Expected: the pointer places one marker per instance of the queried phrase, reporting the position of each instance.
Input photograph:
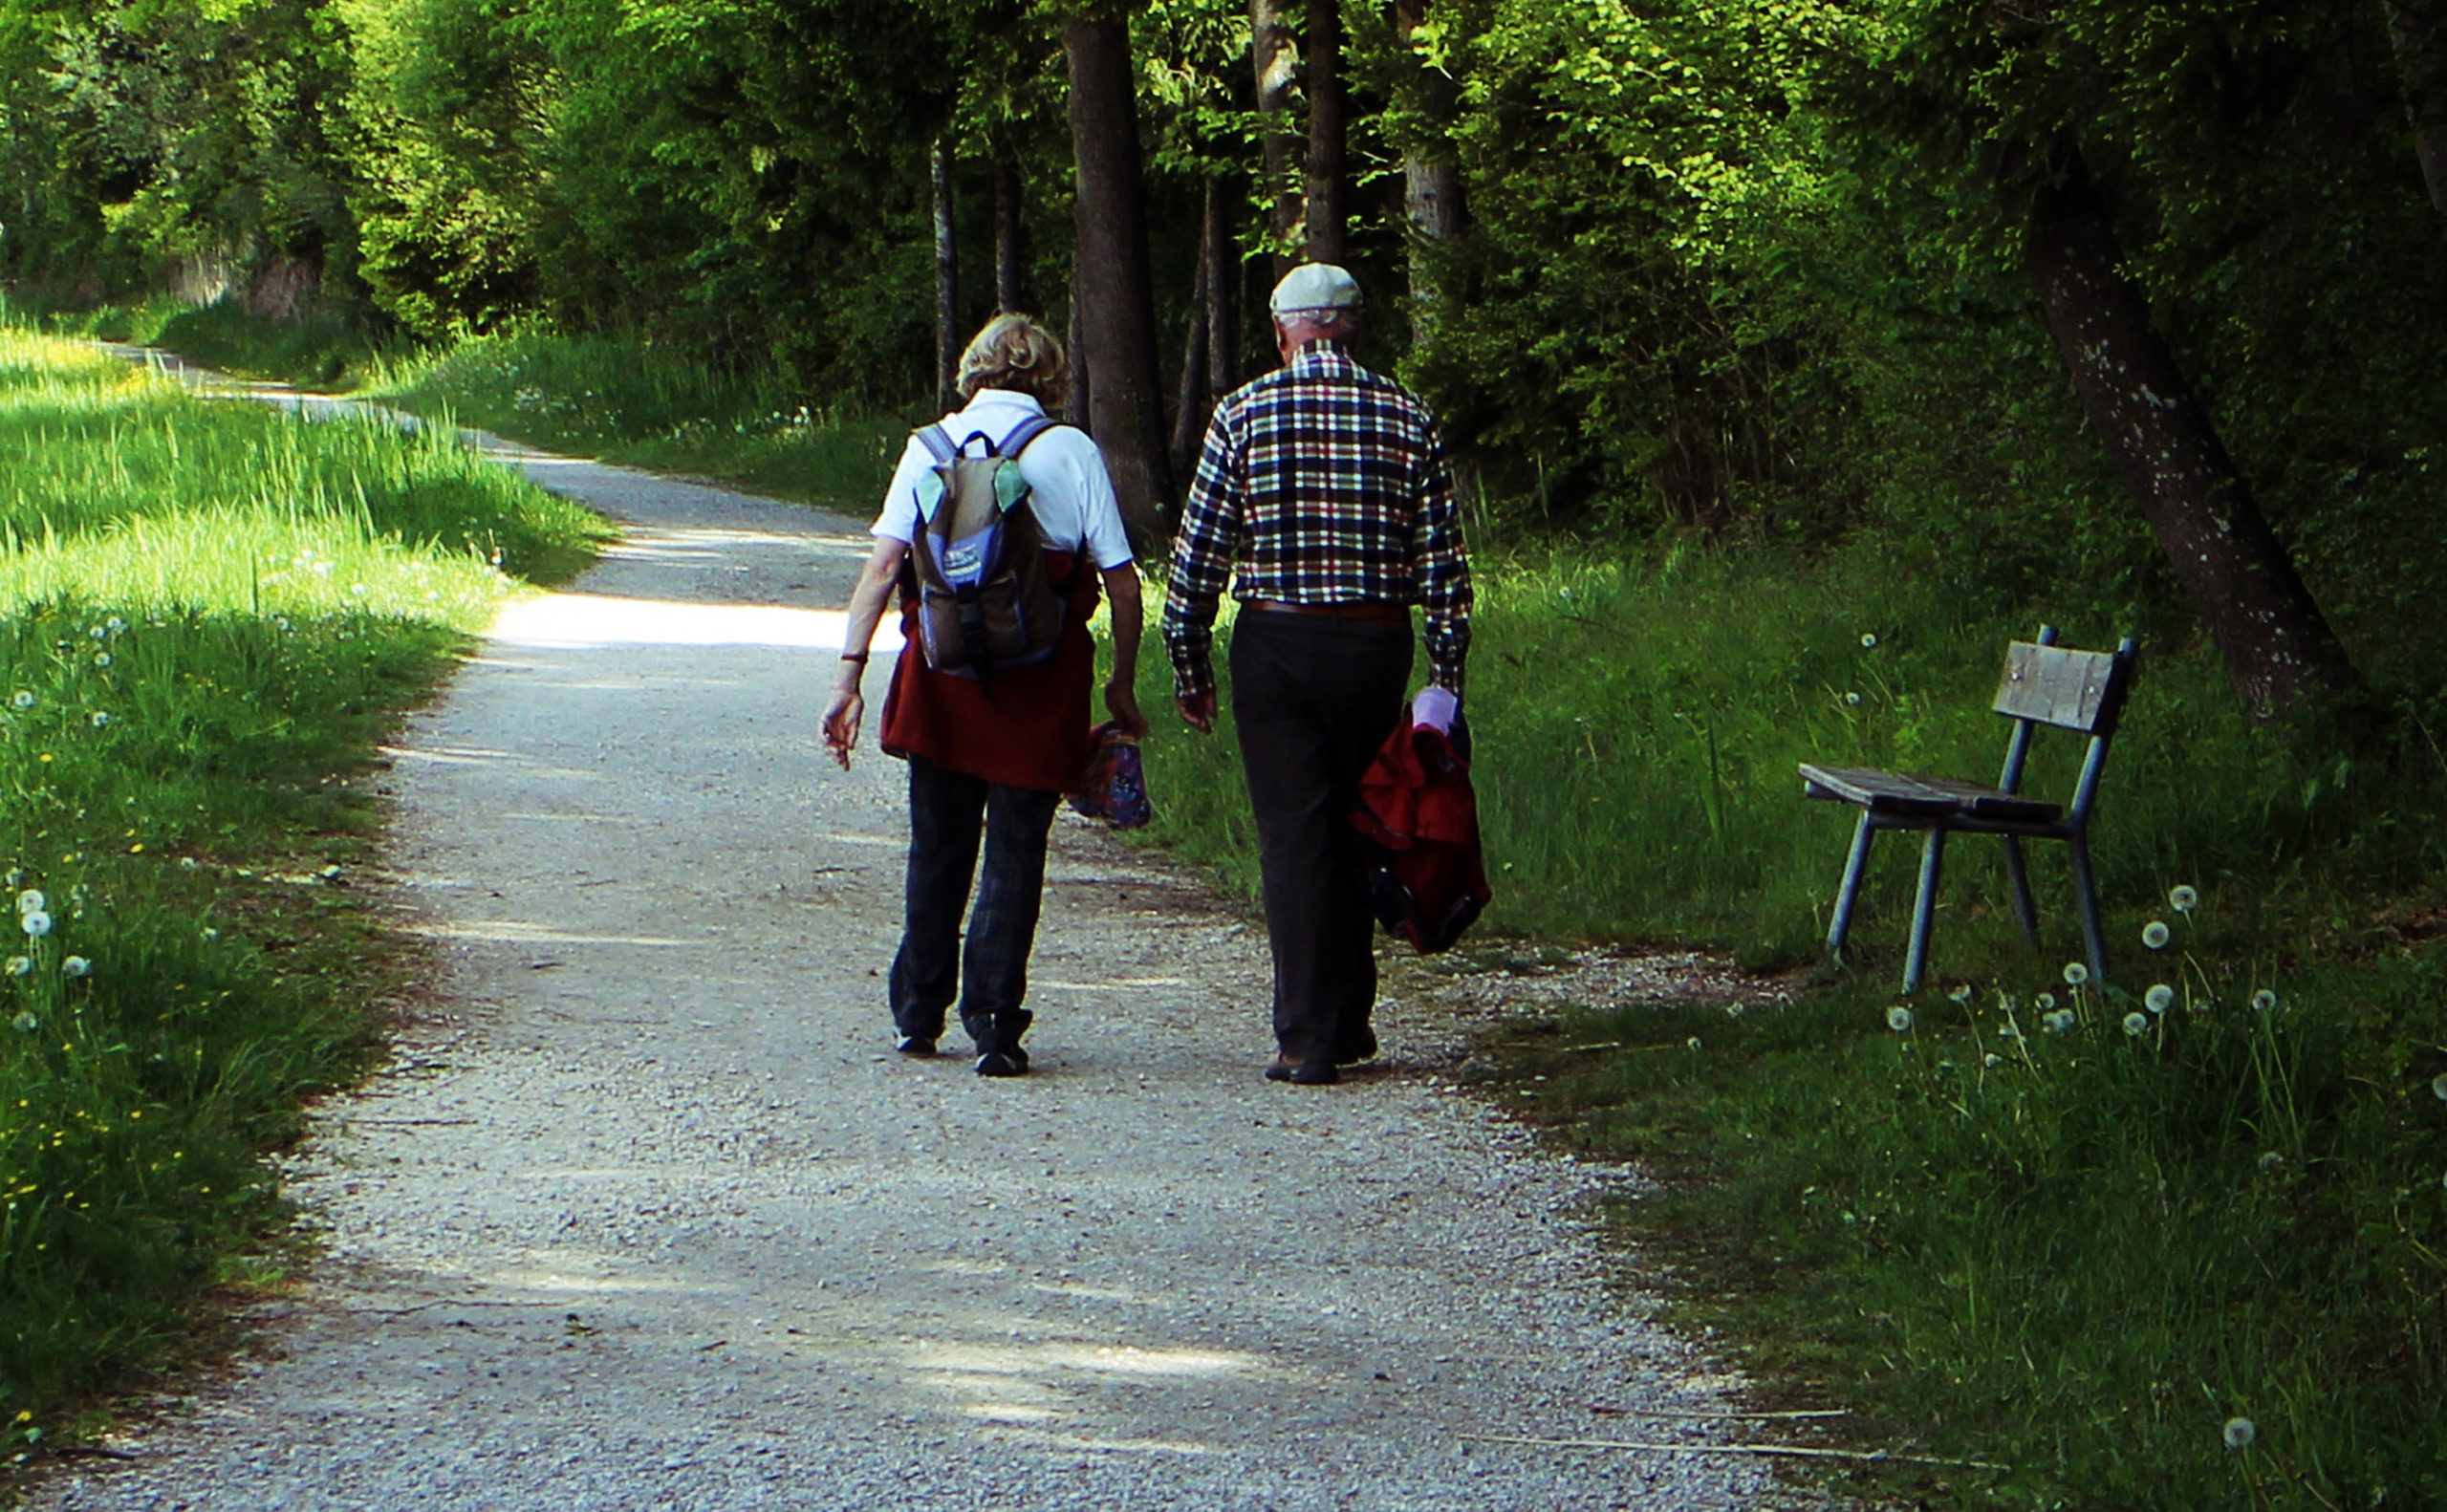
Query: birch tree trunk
(1274, 56)
(1114, 296)
(947, 340)
(1328, 133)
(1431, 174)
(2418, 28)
(2280, 656)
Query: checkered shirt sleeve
(1324, 484)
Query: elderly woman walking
(990, 749)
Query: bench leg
(2018, 879)
(1924, 908)
(1851, 892)
(2085, 895)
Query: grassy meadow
(209, 615)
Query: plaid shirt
(1328, 485)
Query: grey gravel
(647, 1214)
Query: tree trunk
(1189, 410)
(2280, 653)
(1010, 292)
(1118, 310)
(2418, 28)
(1431, 176)
(947, 342)
(1082, 391)
(1328, 131)
(1223, 276)
(1274, 54)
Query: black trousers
(949, 813)
(1313, 698)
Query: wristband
(858, 657)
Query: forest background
(1795, 355)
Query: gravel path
(648, 1215)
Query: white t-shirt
(1068, 491)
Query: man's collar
(1320, 351)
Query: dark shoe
(1353, 1051)
(1315, 1072)
(916, 1047)
(1281, 1067)
(1002, 1063)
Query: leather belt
(1374, 613)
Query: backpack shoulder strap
(938, 443)
(1027, 431)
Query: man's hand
(1198, 711)
(841, 718)
(1122, 703)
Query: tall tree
(2418, 30)
(1431, 169)
(1010, 287)
(1117, 306)
(1274, 60)
(1328, 134)
(947, 336)
(1223, 277)
(2280, 653)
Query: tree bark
(1189, 409)
(1329, 131)
(2280, 656)
(1275, 56)
(1082, 390)
(1222, 312)
(1119, 307)
(947, 342)
(1010, 290)
(1431, 174)
(2418, 28)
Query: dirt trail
(648, 1215)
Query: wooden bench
(2044, 683)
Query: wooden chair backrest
(2071, 690)
(2083, 691)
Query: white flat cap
(1315, 285)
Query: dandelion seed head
(114, 624)
(98, 633)
(2076, 974)
(1851, 698)
(2240, 1432)
(2136, 1024)
(76, 966)
(2271, 1160)
(22, 698)
(2264, 1001)
(2184, 898)
(1992, 1060)
(20, 965)
(2160, 998)
(31, 902)
(1869, 642)
(2438, 1087)
(35, 925)
(101, 658)
(24, 1023)
(102, 719)
(1693, 1041)
(1898, 1018)
(2154, 935)
(1960, 994)
(2043, 1002)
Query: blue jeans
(949, 813)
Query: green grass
(621, 399)
(316, 352)
(209, 616)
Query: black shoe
(1002, 1063)
(1353, 1051)
(1317, 1071)
(1281, 1067)
(916, 1047)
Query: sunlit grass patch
(209, 614)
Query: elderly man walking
(1325, 487)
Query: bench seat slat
(1900, 794)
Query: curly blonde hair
(1015, 353)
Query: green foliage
(2015, 1232)
(209, 614)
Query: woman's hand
(841, 718)
(1122, 703)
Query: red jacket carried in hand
(1415, 808)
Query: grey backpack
(986, 603)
